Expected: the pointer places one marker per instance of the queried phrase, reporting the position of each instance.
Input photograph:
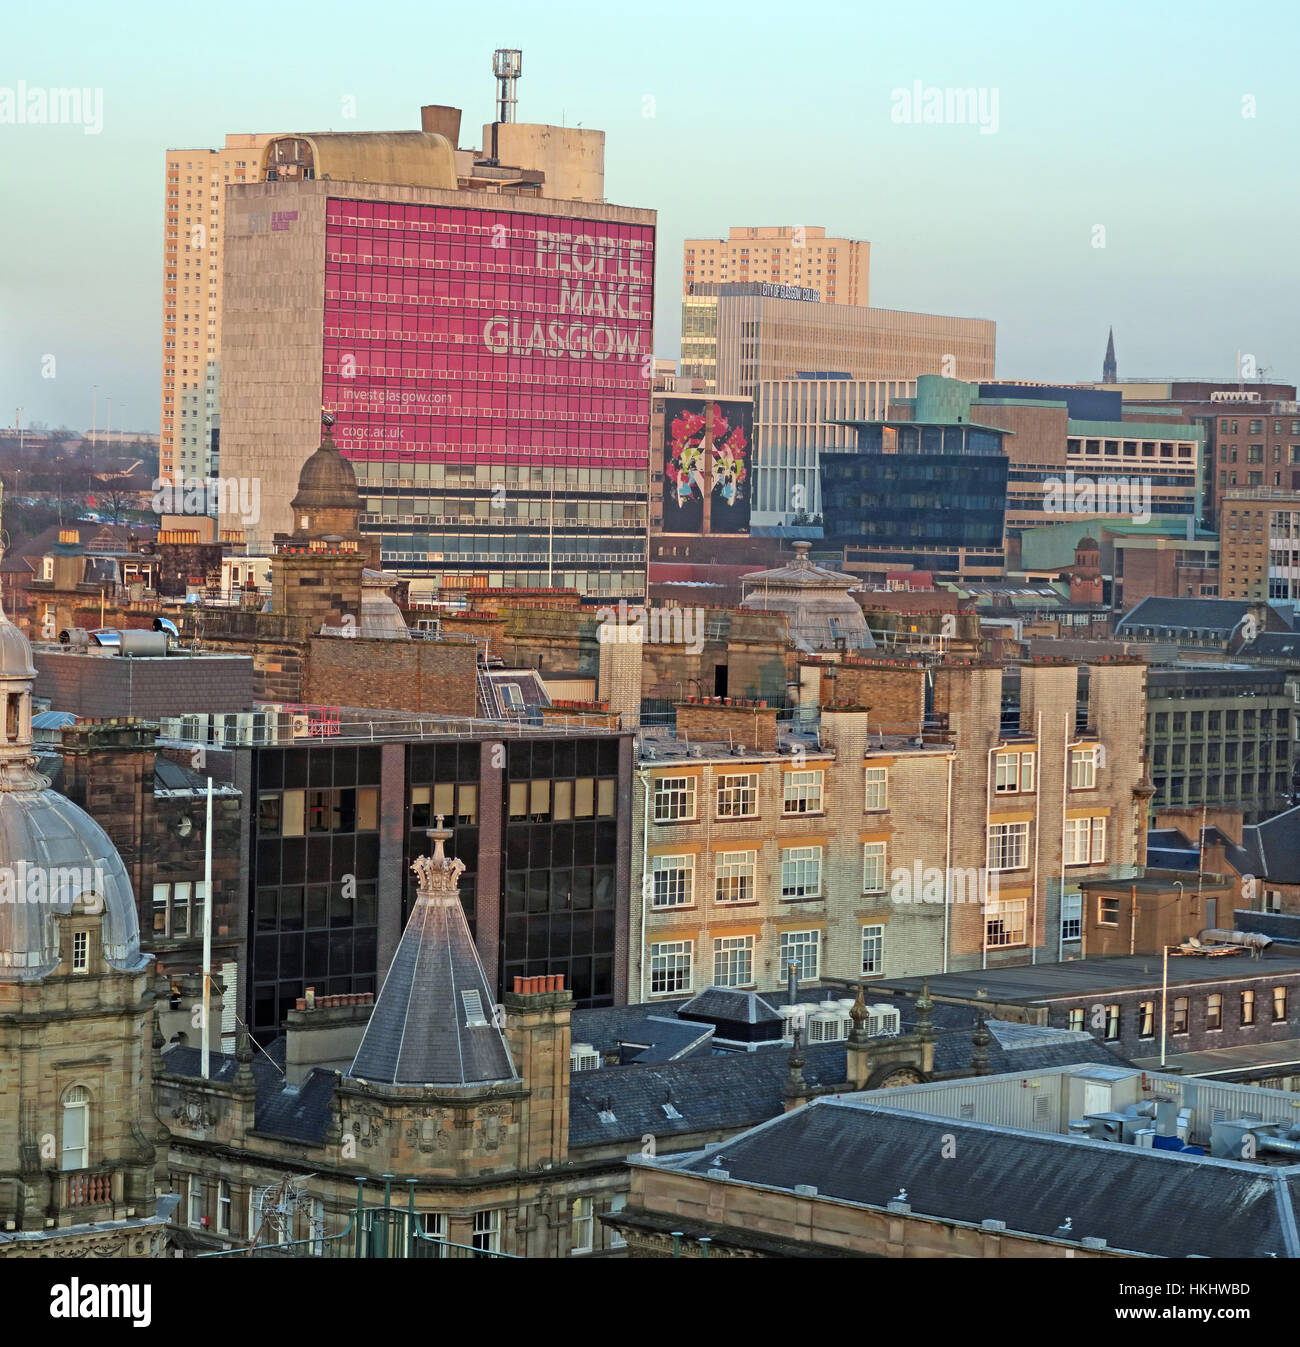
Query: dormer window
(80, 951)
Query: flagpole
(207, 936)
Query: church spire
(1109, 369)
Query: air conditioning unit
(583, 1057)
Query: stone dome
(54, 858)
(817, 601)
(327, 480)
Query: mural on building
(707, 455)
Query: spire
(1109, 370)
(434, 1022)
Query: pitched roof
(863, 1150)
(1220, 615)
(434, 1022)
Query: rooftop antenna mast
(507, 66)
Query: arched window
(76, 1129)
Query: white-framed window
(178, 909)
(803, 793)
(1076, 1019)
(873, 867)
(195, 1200)
(1072, 916)
(1272, 900)
(1005, 923)
(804, 949)
(1008, 845)
(75, 1150)
(1085, 841)
(1013, 773)
(674, 799)
(877, 788)
(487, 1231)
(733, 961)
(582, 1225)
(80, 951)
(673, 881)
(223, 1207)
(734, 876)
(616, 1240)
(873, 949)
(670, 966)
(801, 872)
(738, 796)
(1083, 768)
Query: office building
(839, 269)
(1259, 545)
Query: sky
(1169, 126)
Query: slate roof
(862, 1150)
(300, 1114)
(1274, 644)
(434, 1020)
(732, 1005)
(1269, 850)
(1220, 615)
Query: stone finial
(438, 873)
(859, 1014)
(796, 1088)
(244, 1058)
(925, 1012)
(981, 1039)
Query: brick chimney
(538, 1010)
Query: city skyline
(997, 219)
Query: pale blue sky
(1126, 114)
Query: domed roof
(1087, 544)
(15, 651)
(327, 480)
(54, 858)
(817, 602)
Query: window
(1107, 911)
(738, 796)
(80, 951)
(1248, 1007)
(76, 1129)
(734, 876)
(1180, 1016)
(803, 793)
(582, 1224)
(1272, 900)
(1005, 924)
(1146, 1019)
(1214, 1011)
(487, 1231)
(873, 949)
(1008, 843)
(1072, 916)
(1085, 841)
(1076, 1019)
(801, 872)
(674, 798)
(1083, 768)
(616, 1240)
(673, 879)
(873, 867)
(670, 966)
(1112, 1023)
(877, 788)
(801, 948)
(733, 961)
(223, 1207)
(1279, 1004)
(1013, 773)
(196, 1200)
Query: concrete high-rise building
(485, 356)
(735, 336)
(1259, 546)
(839, 269)
(193, 234)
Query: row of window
(672, 962)
(1110, 1018)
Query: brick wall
(437, 677)
(113, 685)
